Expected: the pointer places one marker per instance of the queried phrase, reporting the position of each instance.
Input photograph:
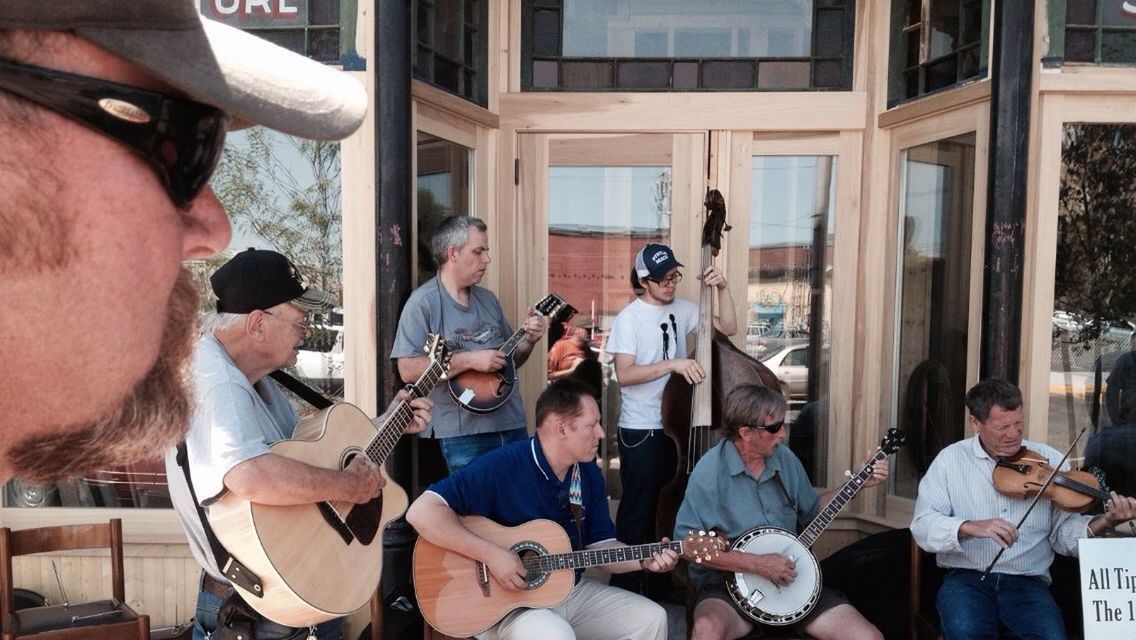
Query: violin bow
(1033, 503)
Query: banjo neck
(842, 497)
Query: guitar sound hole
(535, 577)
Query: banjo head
(762, 600)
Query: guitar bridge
(483, 579)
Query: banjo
(764, 601)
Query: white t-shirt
(650, 333)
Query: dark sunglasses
(771, 428)
(181, 139)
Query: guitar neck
(598, 557)
(395, 425)
(843, 497)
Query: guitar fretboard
(596, 557)
(843, 497)
(384, 441)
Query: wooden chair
(925, 580)
(105, 619)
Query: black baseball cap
(261, 279)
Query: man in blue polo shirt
(541, 478)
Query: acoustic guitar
(458, 597)
(761, 599)
(322, 561)
(485, 392)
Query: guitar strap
(236, 572)
(576, 504)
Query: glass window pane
(546, 74)
(323, 44)
(546, 33)
(828, 74)
(447, 74)
(829, 33)
(323, 12)
(587, 75)
(598, 218)
(944, 27)
(942, 73)
(1094, 301)
(725, 28)
(792, 228)
(783, 75)
(971, 23)
(1083, 12)
(442, 179)
(644, 75)
(686, 75)
(726, 74)
(1080, 45)
(1118, 46)
(933, 299)
(448, 28)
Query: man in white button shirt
(961, 517)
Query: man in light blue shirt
(749, 480)
(961, 517)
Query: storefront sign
(1108, 588)
(251, 14)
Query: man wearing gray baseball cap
(113, 114)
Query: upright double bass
(691, 412)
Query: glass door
(607, 196)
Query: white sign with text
(1108, 588)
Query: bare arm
(437, 522)
(630, 373)
(779, 569)
(409, 369)
(726, 319)
(277, 480)
(534, 327)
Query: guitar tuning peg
(847, 473)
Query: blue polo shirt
(723, 495)
(514, 484)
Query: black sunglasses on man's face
(181, 139)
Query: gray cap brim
(254, 81)
(314, 299)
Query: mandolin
(485, 392)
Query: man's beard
(152, 417)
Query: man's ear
(254, 325)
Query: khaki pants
(593, 611)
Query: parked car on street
(791, 366)
(320, 361)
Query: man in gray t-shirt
(469, 317)
(261, 322)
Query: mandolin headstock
(699, 546)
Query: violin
(1024, 474)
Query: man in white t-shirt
(648, 342)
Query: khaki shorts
(828, 599)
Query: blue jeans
(973, 609)
(461, 450)
(205, 622)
